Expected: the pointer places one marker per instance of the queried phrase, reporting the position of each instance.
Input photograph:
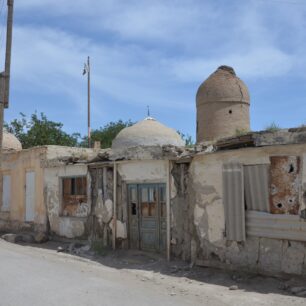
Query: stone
(293, 258)
(27, 238)
(9, 237)
(60, 249)
(85, 248)
(41, 237)
(270, 254)
(233, 287)
(296, 290)
(302, 294)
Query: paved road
(39, 277)
(31, 276)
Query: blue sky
(155, 53)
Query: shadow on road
(145, 261)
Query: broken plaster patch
(200, 221)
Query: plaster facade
(15, 165)
(259, 253)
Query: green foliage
(273, 127)
(241, 132)
(189, 142)
(106, 134)
(39, 131)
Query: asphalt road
(40, 277)
(31, 276)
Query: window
(148, 201)
(263, 200)
(74, 194)
(6, 193)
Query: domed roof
(147, 132)
(223, 86)
(10, 142)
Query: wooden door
(147, 216)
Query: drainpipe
(114, 204)
(168, 192)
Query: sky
(154, 53)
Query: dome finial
(148, 111)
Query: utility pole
(87, 71)
(5, 75)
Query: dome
(10, 142)
(147, 132)
(223, 86)
(223, 104)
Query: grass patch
(273, 127)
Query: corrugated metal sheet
(233, 201)
(267, 225)
(256, 184)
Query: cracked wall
(181, 217)
(209, 245)
(99, 222)
(66, 226)
(15, 165)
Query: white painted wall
(143, 171)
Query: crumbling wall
(209, 245)
(99, 222)
(66, 226)
(181, 216)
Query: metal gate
(147, 216)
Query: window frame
(79, 198)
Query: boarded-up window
(74, 194)
(284, 184)
(6, 193)
(233, 201)
(256, 187)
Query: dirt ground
(177, 279)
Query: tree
(189, 142)
(38, 131)
(107, 133)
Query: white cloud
(146, 52)
(260, 63)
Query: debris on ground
(26, 237)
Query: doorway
(147, 217)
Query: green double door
(147, 217)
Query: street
(33, 276)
